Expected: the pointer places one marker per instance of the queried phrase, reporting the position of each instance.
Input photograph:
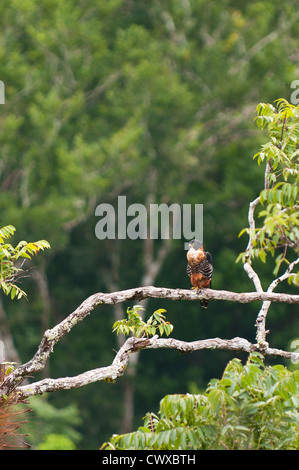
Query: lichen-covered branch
(262, 315)
(52, 336)
(119, 364)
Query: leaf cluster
(251, 407)
(279, 230)
(136, 326)
(9, 255)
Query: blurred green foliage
(251, 407)
(52, 428)
(152, 100)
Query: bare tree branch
(261, 318)
(119, 364)
(52, 336)
(247, 266)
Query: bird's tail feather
(204, 303)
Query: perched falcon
(199, 267)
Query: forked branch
(117, 368)
(121, 360)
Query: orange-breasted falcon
(199, 267)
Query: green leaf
(262, 255)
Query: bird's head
(196, 245)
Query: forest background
(154, 100)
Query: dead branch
(119, 364)
(52, 336)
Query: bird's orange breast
(197, 280)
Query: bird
(199, 268)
